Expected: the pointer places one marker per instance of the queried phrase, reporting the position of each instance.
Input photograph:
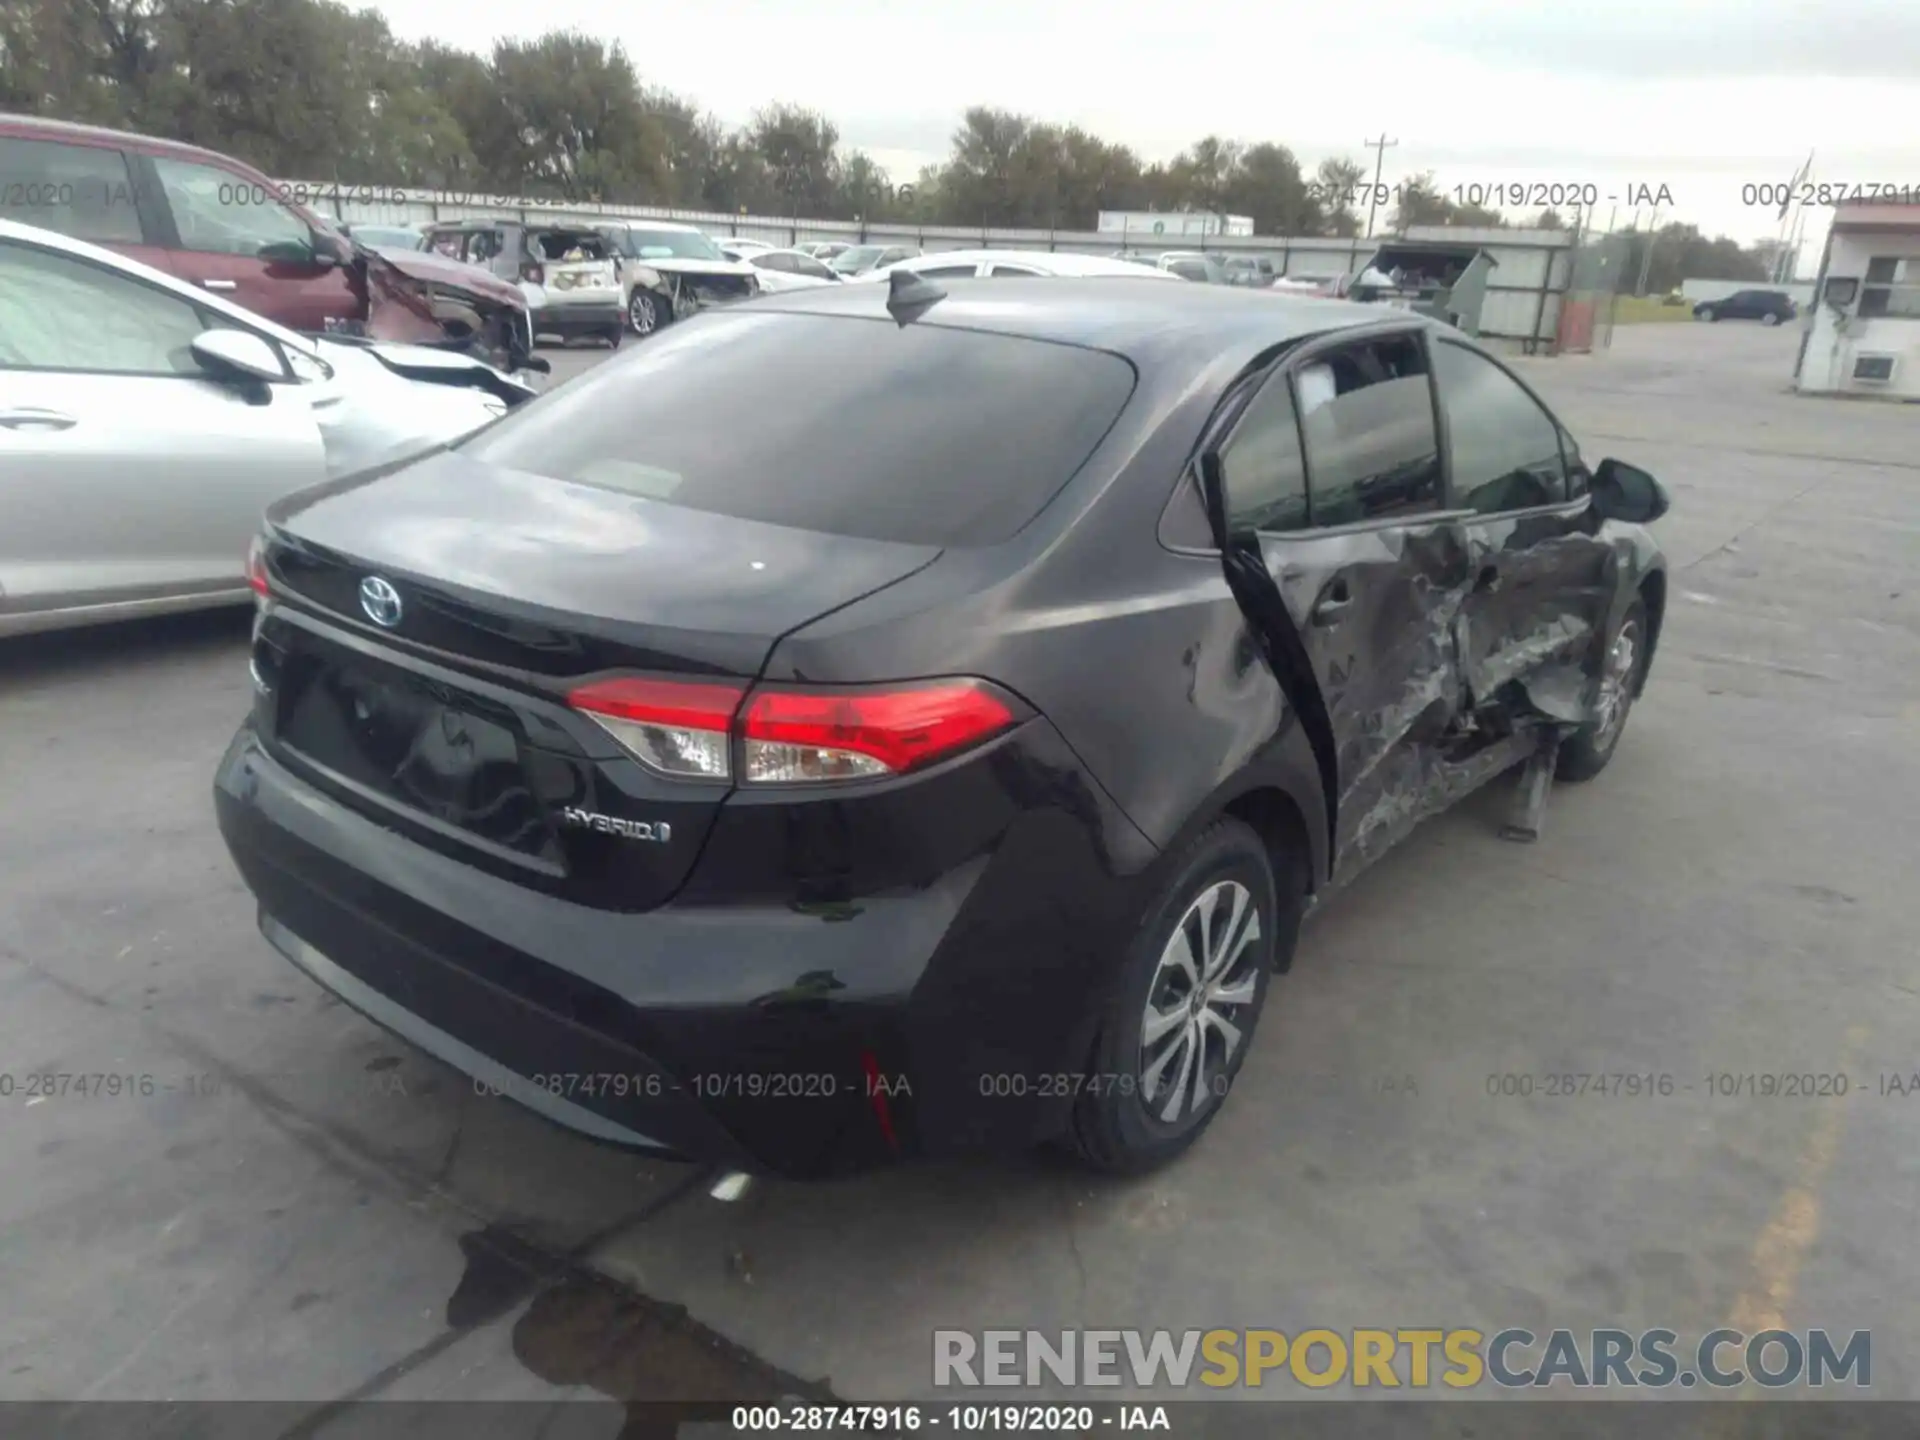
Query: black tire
(1586, 752)
(1112, 1127)
(1713, 315)
(648, 311)
(615, 336)
(1770, 318)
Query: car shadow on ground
(163, 641)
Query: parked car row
(220, 225)
(145, 424)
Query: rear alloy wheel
(1586, 753)
(1770, 318)
(647, 312)
(1178, 1024)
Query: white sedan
(790, 270)
(955, 264)
(145, 424)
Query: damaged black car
(801, 796)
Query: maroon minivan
(210, 220)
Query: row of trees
(313, 90)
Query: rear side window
(919, 434)
(78, 190)
(1366, 412)
(1265, 476)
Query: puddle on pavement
(581, 1329)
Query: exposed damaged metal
(691, 293)
(425, 299)
(1429, 655)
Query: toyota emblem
(381, 601)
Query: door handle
(220, 285)
(28, 418)
(1332, 604)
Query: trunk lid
(452, 722)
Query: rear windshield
(570, 245)
(848, 426)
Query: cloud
(1771, 39)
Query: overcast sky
(1701, 96)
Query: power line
(1380, 148)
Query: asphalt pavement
(276, 1201)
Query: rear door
(235, 237)
(1540, 574)
(1334, 468)
(125, 474)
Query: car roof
(628, 222)
(28, 126)
(1061, 262)
(1148, 324)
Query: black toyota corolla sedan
(894, 721)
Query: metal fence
(1312, 257)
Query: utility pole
(1380, 148)
(1646, 255)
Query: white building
(1149, 227)
(1863, 332)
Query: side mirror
(1626, 492)
(237, 355)
(289, 252)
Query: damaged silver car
(669, 271)
(145, 425)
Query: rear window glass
(79, 190)
(919, 434)
(563, 245)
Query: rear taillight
(257, 567)
(800, 736)
(786, 737)
(676, 727)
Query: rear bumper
(572, 320)
(801, 1042)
